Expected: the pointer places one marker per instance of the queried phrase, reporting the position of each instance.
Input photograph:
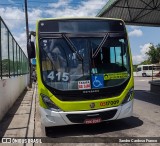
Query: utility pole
(27, 34)
(26, 16)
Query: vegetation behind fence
(13, 61)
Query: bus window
(145, 67)
(150, 68)
(156, 68)
(115, 53)
(138, 69)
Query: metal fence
(13, 61)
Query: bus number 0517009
(107, 103)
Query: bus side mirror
(31, 50)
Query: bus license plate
(92, 121)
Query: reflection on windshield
(64, 70)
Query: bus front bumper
(51, 118)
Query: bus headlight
(50, 104)
(129, 96)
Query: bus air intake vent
(80, 118)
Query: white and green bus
(84, 70)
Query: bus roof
(78, 18)
(148, 65)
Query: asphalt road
(145, 122)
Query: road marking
(143, 80)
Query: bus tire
(144, 75)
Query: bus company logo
(91, 91)
(6, 140)
(92, 105)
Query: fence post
(0, 52)
(152, 72)
(8, 54)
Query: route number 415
(58, 76)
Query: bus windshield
(75, 62)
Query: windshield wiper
(73, 48)
(100, 45)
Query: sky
(12, 12)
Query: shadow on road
(147, 97)
(4, 124)
(79, 130)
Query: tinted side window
(150, 67)
(139, 69)
(145, 67)
(156, 68)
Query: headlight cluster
(50, 105)
(129, 96)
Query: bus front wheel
(144, 75)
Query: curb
(31, 125)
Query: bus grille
(80, 118)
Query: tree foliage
(145, 62)
(135, 68)
(154, 54)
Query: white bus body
(146, 70)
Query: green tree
(154, 54)
(135, 68)
(145, 62)
(158, 53)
